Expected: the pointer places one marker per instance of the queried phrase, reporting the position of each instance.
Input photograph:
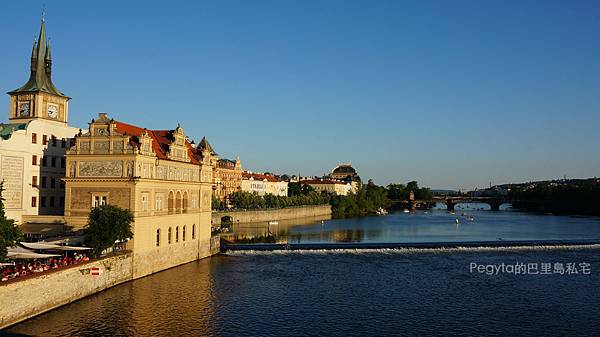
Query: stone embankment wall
(33, 295)
(271, 214)
(23, 299)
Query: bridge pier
(495, 206)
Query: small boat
(406, 211)
(382, 211)
(273, 223)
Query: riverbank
(30, 297)
(267, 215)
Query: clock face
(52, 111)
(24, 109)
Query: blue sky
(454, 94)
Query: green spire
(41, 66)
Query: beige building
(33, 143)
(227, 174)
(330, 186)
(263, 184)
(158, 175)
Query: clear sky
(454, 94)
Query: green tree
(107, 224)
(10, 233)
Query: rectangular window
(144, 201)
(44, 140)
(157, 237)
(63, 162)
(43, 202)
(194, 232)
(53, 141)
(53, 161)
(99, 200)
(158, 202)
(34, 181)
(34, 138)
(177, 234)
(183, 234)
(34, 160)
(169, 236)
(63, 143)
(51, 201)
(33, 202)
(44, 161)
(43, 181)
(52, 183)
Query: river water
(364, 292)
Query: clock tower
(39, 98)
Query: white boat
(406, 211)
(382, 211)
(273, 223)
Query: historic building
(344, 172)
(227, 174)
(337, 187)
(158, 174)
(263, 184)
(33, 143)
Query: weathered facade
(158, 175)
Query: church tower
(39, 98)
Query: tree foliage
(107, 224)
(10, 233)
(575, 197)
(367, 200)
(247, 200)
(400, 192)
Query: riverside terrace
(32, 259)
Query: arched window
(169, 236)
(194, 232)
(183, 234)
(171, 202)
(177, 234)
(157, 237)
(185, 202)
(178, 202)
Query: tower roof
(205, 145)
(41, 66)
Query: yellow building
(227, 173)
(158, 175)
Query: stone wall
(23, 299)
(272, 214)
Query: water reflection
(466, 224)
(150, 306)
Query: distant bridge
(451, 201)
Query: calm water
(415, 292)
(431, 226)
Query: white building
(33, 143)
(330, 186)
(263, 184)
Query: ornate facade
(227, 174)
(33, 143)
(158, 175)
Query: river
(364, 292)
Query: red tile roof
(161, 141)
(325, 182)
(258, 176)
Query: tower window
(34, 138)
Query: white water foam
(404, 251)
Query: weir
(410, 245)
